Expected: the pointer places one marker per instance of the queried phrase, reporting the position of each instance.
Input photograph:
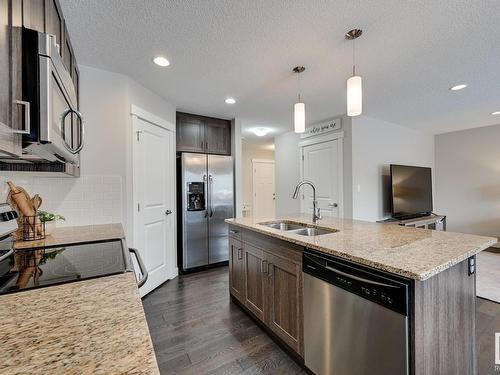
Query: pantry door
(322, 165)
(154, 197)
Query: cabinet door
(67, 51)
(236, 270)
(284, 300)
(54, 22)
(10, 143)
(190, 135)
(254, 280)
(75, 76)
(34, 14)
(218, 136)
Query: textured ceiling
(411, 52)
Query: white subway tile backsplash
(83, 201)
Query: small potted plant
(50, 220)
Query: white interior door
(154, 201)
(264, 189)
(322, 164)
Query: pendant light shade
(354, 96)
(354, 84)
(299, 117)
(299, 108)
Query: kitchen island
(85, 327)
(267, 281)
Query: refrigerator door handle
(211, 186)
(206, 195)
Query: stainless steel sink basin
(298, 228)
(283, 226)
(312, 231)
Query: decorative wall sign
(322, 128)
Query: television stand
(434, 222)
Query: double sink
(298, 228)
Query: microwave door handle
(81, 131)
(27, 123)
(80, 127)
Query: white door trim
(153, 119)
(257, 161)
(138, 113)
(321, 138)
(340, 163)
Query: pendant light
(299, 108)
(354, 84)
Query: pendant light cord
(353, 57)
(298, 85)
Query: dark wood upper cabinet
(54, 23)
(190, 135)
(203, 134)
(218, 136)
(67, 52)
(33, 14)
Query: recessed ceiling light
(230, 101)
(260, 132)
(161, 61)
(458, 87)
(495, 113)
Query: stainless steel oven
(53, 127)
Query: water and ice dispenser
(195, 196)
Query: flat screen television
(411, 191)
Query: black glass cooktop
(27, 269)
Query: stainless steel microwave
(53, 127)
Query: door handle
(333, 204)
(210, 185)
(168, 212)
(205, 191)
(27, 124)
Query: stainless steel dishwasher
(356, 319)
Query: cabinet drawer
(235, 232)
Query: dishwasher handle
(142, 267)
(351, 276)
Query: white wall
(468, 180)
(375, 145)
(251, 151)
(101, 194)
(287, 170)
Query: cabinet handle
(233, 231)
(264, 266)
(240, 254)
(27, 123)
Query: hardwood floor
(196, 330)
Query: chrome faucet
(316, 210)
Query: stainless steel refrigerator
(207, 199)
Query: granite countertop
(413, 253)
(94, 326)
(73, 235)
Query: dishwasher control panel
(377, 286)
